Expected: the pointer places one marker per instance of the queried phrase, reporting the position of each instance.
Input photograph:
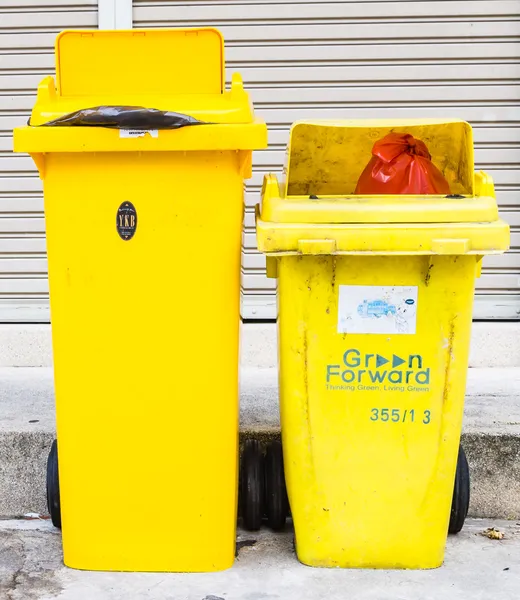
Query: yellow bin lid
(313, 209)
(179, 70)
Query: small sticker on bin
(135, 133)
(377, 309)
(126, 221)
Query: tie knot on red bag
(395, 144)
(417, 147)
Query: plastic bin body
(146, 330)
(375, 304)
(371, 450)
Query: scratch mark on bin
(306, 378)
(306, 399)
(428, 275)
(445, 395)
(448, 348)
(449, 358)
(333, 278)
(332, 299)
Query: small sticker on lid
(135, 133)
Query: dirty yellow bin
(143, 237)
(375, 302)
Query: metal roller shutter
(27, 32)
(364, 59)
(300, 60)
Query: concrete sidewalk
(475, 568)
(493, 344)
(492, 400)
(491, 434)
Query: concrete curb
(494, 461)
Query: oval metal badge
(126, 221)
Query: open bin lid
(314, 209)
(178, 70)
(326, 158)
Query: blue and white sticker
(377, 309)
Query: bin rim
(248, 136)
(278, 208)
(368, 123)
(374, 239)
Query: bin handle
(484, 185)
(270, 187)
(451, 246)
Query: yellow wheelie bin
(143, 210)
(375, 300)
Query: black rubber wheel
(460, 502)
(252, 485)
(53, 486)
(276, 503)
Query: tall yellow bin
(375, 302)
(143, 236)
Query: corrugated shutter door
(27, 33)
(367, 59)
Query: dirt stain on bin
(449, 358)
(428, 275)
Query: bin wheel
(53, 486)
(460, 501)
(276, 503)
(252, 485)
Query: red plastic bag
(401, 165)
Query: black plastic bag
(124, 117)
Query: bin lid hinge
(451, 246)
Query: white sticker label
(135, 133)
(377, 309)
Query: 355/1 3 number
(400, 415)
